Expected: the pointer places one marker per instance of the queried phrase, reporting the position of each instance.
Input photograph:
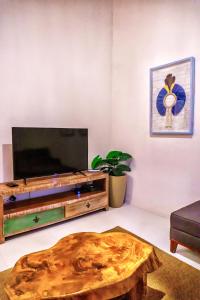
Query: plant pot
(117, 189)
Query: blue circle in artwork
(180, 95)
(160, 100)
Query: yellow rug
(174, 280)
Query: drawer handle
(36, 219)
(88, 205)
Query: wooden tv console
(31, 213)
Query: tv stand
(78, 171)
(21, 216)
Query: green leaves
(119, 170)
(114, 154)
(112, 163)
(96, 162)
(120, 156)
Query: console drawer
(34, 220)
(84, 206)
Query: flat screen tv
(48, 151)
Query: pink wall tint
(55, 68)
(61, 63)
(146, 34)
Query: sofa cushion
(187, 219)
(185, 238)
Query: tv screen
(48, 151)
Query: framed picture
(172, 98)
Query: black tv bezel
(50, 174)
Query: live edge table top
(83, 265)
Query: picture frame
(172, 98)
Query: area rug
(174, 280)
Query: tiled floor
(152, 228)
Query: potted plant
(114, 165)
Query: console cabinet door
(34, 220)
(84, 206)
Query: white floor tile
(149, 226)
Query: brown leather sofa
(185, 227)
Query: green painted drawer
(32, 220)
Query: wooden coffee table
(89, 266)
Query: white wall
(147, 34)
(55, 69)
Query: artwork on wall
(172, 98)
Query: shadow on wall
(7, 162)
(129, 189)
